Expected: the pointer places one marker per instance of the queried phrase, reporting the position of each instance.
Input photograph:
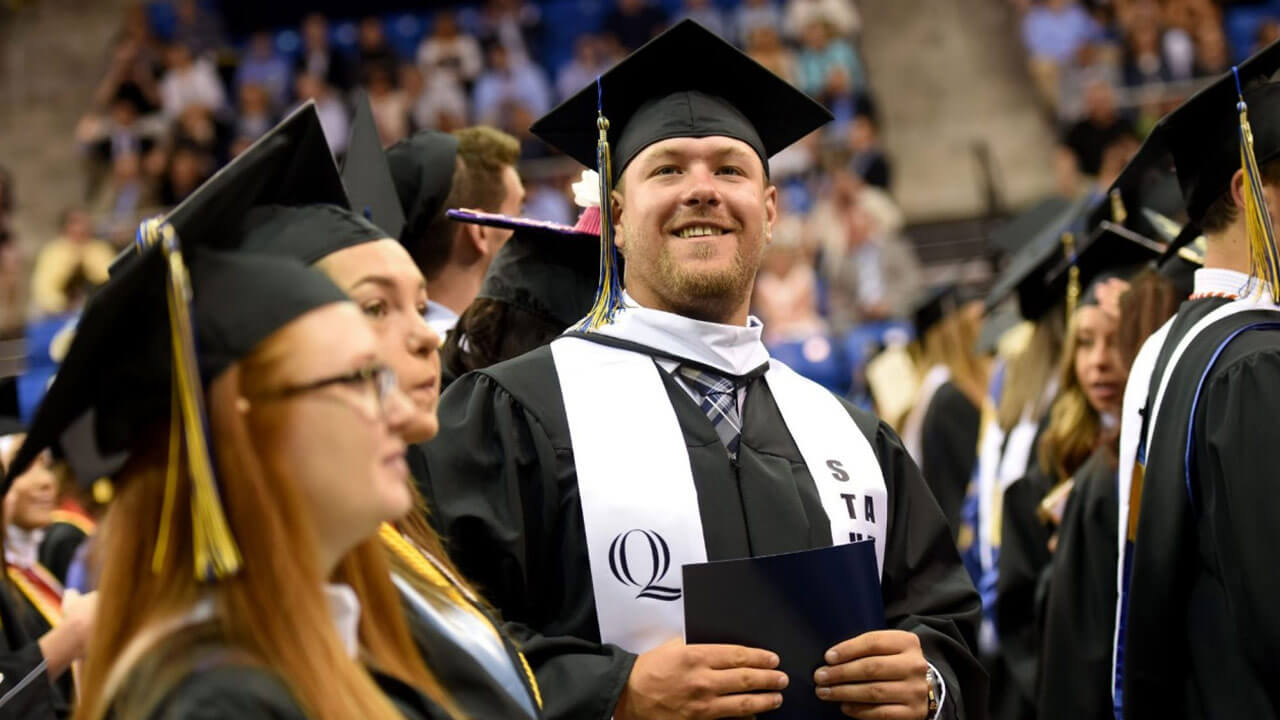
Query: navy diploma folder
(797, 605)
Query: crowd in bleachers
(181, 95)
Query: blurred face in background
(34, 494)
(1098, 365)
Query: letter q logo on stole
(645, 576)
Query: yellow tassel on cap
(1263, 260)
(216, 555)
(1073, 274)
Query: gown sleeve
(1237, 505)
(926, 589)
(504, 499)
(949, 449)
(1022, 581)
(25, 690)
(1076, 674)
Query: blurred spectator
(439, 104)
(1144, 61)
(841, 15)
(334, 119)
(869, 160)
(1268, 32)
(1213, 56)
(256, 115)
(1053, 32)
(634, 22)
(588, 62)
(545, 201)
(1100, 126)
(765, 47)
(120, 130)
(708, 15)
(126, 192)
(1115, 155)
(188, 166)
(189, 81)
(321, 60)
(198, 29)
(75, 253)
(503, 86)
(514, 23)
(827, 67)
(878, 278)
(751, 15)
(447, 55)
(136, 60)
(390, 106)
(261, 66)
(374, 51)
(786, 290)
(11, 270)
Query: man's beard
(699, 293)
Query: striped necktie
(719, 402)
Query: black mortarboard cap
(422, 167)
(936, 305)
(1203, 134)
(1031, 265)
(1111, 250)
(545, 268)
(306, 232)
(10, 416)
(686, 82)
(367, 176)
(1017, 231)
(186, 307)
(1146, 185)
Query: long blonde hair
(264, 509)
(1075, 428)
(1031, 371)
(951, 342)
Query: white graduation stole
(639, 503)
(1258, 300)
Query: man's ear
(474, 237)
(1237, 189)
(770, 212)
(615, 206)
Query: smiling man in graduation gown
(661, 422)
(1198, 632)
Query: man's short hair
(1223, 211)
(483, 153)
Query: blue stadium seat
(818, 358)
(1242, 22)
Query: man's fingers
(730, 706)
(878, 693)
(723, 657)
(879, 642)
(745, 680)
(904, 666)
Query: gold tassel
(1073, 274)
(216, 555)
(609, 291)
(1263, 261)
(1118, 213)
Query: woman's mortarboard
(180, 309)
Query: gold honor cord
(1263, 260)
(1118, 213)
(1073, 274)
(214, 548)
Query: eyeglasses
(378, 378)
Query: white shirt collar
(440, 317)
(732, 349)
(22, 547)
(344, 608)
(1219, 280)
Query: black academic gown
(949, 448)
(502, 487)
(1022, 584)
(1202, 631)
(194, 675)
(35, 626)
(25, 689)
(58, 549)
(1080, 616)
